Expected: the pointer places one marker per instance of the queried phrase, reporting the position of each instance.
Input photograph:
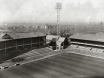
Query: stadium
(50, 39)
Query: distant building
(4, 25)
(45, 27)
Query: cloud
(97, 3)
(44, 10)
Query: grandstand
(88, 40)
(19, 41)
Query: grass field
(66, 65)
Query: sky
(44, 10)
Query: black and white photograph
(51, 38)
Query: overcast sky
(44, 10)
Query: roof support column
(45, 41)
(23, 43)
(39, 41)
(31, 42)
(16, 44)
(5, 46)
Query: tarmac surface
(65, 65)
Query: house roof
(61, 39)
(50, 37)
(90, 37)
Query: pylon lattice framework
(58, 8)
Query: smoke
(44, 10)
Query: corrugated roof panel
(25, 35)
(21, 35)
(12, 35)
(40, 34)
(91, 37)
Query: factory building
(20, 41)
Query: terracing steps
(33, 55)
(87, 51)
